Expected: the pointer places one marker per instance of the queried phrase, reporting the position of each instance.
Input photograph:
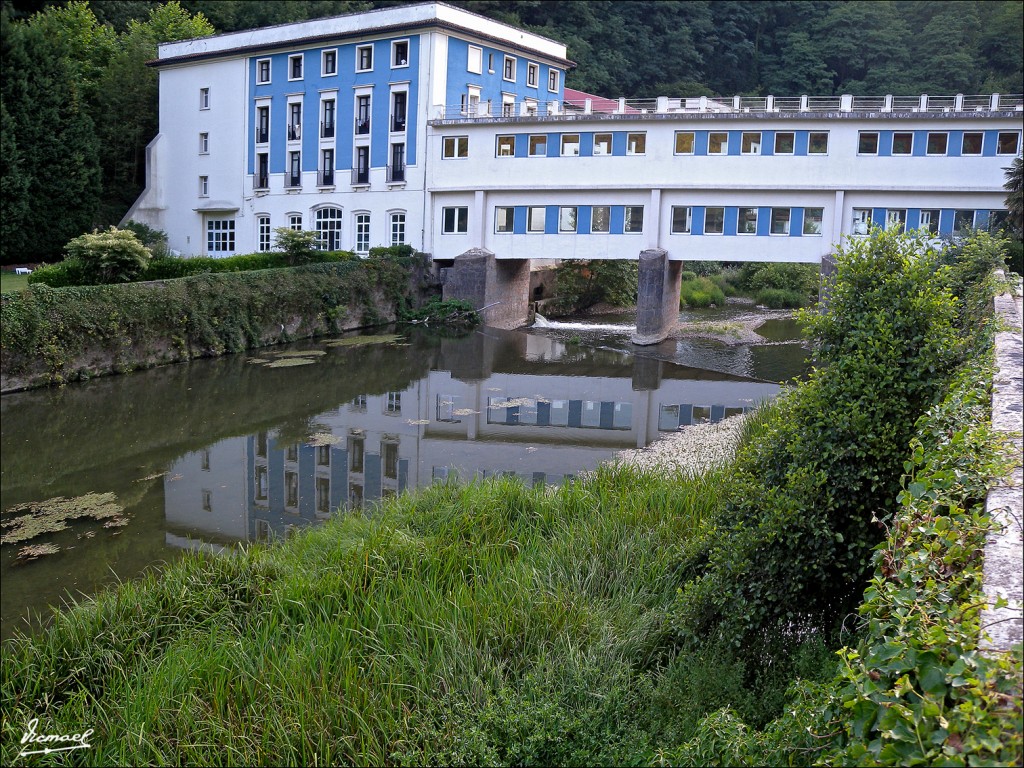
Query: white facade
(435, 127)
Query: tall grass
(525, 618)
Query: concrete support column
(497, 288)
(657, 302)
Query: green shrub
(154, 239)
(60, 275)
(700, 292)
(1014, 256)
(392, 252)
(112, 256)
(779, 298)
(704, 268)
(687, 276)
(298, 246)
(582, 284)
(799, 278)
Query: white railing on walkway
(572, 108)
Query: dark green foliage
(391, 252)
(439, 313)
(780, 298)
(154, 239)
(1014, 186)
(63, 274)
(700, 292)
(298, 246)
(582, 284)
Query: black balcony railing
(327, 130)
(294, 132)
(396, 173)
(325, 177)
(360, 175)
(262, 136)
(294, 180)
(262, 181)
(397, 124)
(362, 126)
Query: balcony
(327, 130)
(362, 126)
(396, 174)
(261, 181)
(325, 177)
(360, 176)
(397, 124)
(262, 135)
(294, 132)
(293, 181)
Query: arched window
(328, 227)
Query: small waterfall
(542, 322)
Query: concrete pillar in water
(657, 301)
(498, 288)
(825, 277)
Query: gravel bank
(694, 449)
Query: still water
(213, 453)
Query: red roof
(599, 103)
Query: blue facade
(492, 83)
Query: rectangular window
(535, 218)
(600, 219)
(393, 405)
(962, 221)
(291, 487)
(398, 229)
(455, 220)
(509, 71)
(455, 147)
(262, 71)
(361, 171)
(714, 221)
(295, 222)
(261, 444)
(506, 146)
(553, 80)
(399, 100)
(539, 146)
(262, 484)
(362, 115)
(327, 122)
(207, 500)
(929, 221)
(1007, 142)
(204, 143)
(571, 145)
(937, 143)
(262, 180)
(780, 221)
(220, 235)
(389, 458)
(329, 63)
(356, 454)
(812, 220)
(262, 125)
(323, 494)
(634, 218)
(602, 144)
(682, 219)
(364, 58)
(785, 142)
(503, 216)
(867, 143)
(490, 63)
(205, 459)
(636, 143)
(295, 121)
(204, 98)
(902, 143)
(567, 219)
(263, 233)
(750, 144)
(817, 143)
(292, 452)
(508, 105)
(204, 186)
(294, 169)
(295, 67)
(326, 167)
(746, 224)
(971, 144)
(896, 218)
(718, 143)
(997, 221)
(861, 221)
(362, 232)
(684, 142)
(474, 61)
(399, 54)
(532, 73)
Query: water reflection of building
(537, 423)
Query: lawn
(10, 282)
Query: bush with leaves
(112, 256)
(299, 246)
(581, 284)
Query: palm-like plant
(1015, 195)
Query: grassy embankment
(622, 619)
(12, 283)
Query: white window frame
(724, 145)
(263, 232)
(707, 210)
(511, 146)
(204, 98)
(675, 142)
(569, 139)
(395, 64)
(295, 222)
(861, 135)
(530, 143)
(626, 220)
(259, 66)
(511, 219)
(922, 224)
(607, 222)
(204, 143)
(291, 67)
(530, 228)
(478, 52)
(323, 62)
(860, 221)
(739, 220)
(457, 212)
(928, 142)
(565, 210)
(810, 144)
(220, 236)
(361, 232)
(532, 74)
(891, 219)
(506, 69)
(1016, 146)
(204, 186)
(597, 142)
(807, 218)
(637, 138)
(974, 219)
(755, 144)
(792, 144)
(396, 227)
(490, 63)
(454, 143)
(359, 58)
(688, 220)
(963, 144)
(789, 222)
(892, 146)
(554, 78)
(328, 227)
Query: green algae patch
(290, 362)
(358, 341)
(30, 552)
(50, 516)
(306, 353)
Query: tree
(1014, 187)
(113, 256)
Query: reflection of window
(622, 416)
(701, 414)
(262, 530)
(929, 221)
(262, 481)
(441, 474)
(591, 415)
(971, 144)
(896, 217)
(503, 217)
(668, 418)
(600, 218)
(634, 218)
(602, 144)
(817, 143)
(291, 489)
(323, 455)
(559, 413)
(747, 222)
(812, 220)
(732, 411)
(204, 460)
(785, 141)
(292, 452)
(356, 453)
(684, 142)
(861, 221)
(962, 221)
(261, 444)
(780, 221)
(535, 219)
(323, 495)
(867, 143)
(389, 455)
(718, 143)
(714, 221)
(750, 144)
(445, 410)
(567, 219)
(355, 495)
(394, 403)
(358, 403)
(682, 219)
(207, 501)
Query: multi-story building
(432, 126)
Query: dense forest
(78, 105)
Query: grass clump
(700, 292)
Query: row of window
(327, 170)
(509, 66)
(329, 62)
(728, 143)
(362, 115)
(327, 224)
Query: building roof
(574, 99)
